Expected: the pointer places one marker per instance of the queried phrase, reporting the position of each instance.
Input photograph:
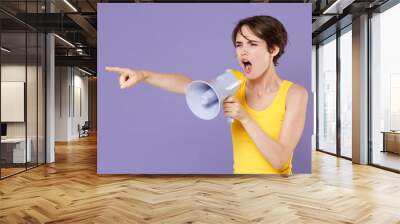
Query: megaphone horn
(205, 98)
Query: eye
(238, 45)
(253, 44)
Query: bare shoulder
(297, 95)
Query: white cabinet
(18, 149)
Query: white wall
(70, 83)
(17, 73)
(12, 101)
(61, 103)
(33, 127)
(14, 73)
(314, 92)
(80, 105)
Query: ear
(275, 50)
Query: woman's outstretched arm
(176, 83)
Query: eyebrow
(250, 41)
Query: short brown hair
(267, 28)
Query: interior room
(50, 134)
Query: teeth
(246, 61)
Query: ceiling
(76, 22)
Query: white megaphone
(205, 98)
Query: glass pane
(23, 88)
(31, 85)
(31, 101)
(346, 94)
(386, 89)
(327, 96)
(13, 86)
(41, 98)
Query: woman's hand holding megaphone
(233, 109)
(127, 77)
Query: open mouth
(247, 66)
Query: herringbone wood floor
(70, 191)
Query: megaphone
(205, 99)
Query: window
(346, 92)
(22, 77)
(385, 89)
(327, 95)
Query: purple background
(145, 130)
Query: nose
(243, 51)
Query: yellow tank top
(246, 156)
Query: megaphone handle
(230, 120)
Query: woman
(269, 112)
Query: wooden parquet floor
(70, 191)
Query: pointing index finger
(114, 69)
